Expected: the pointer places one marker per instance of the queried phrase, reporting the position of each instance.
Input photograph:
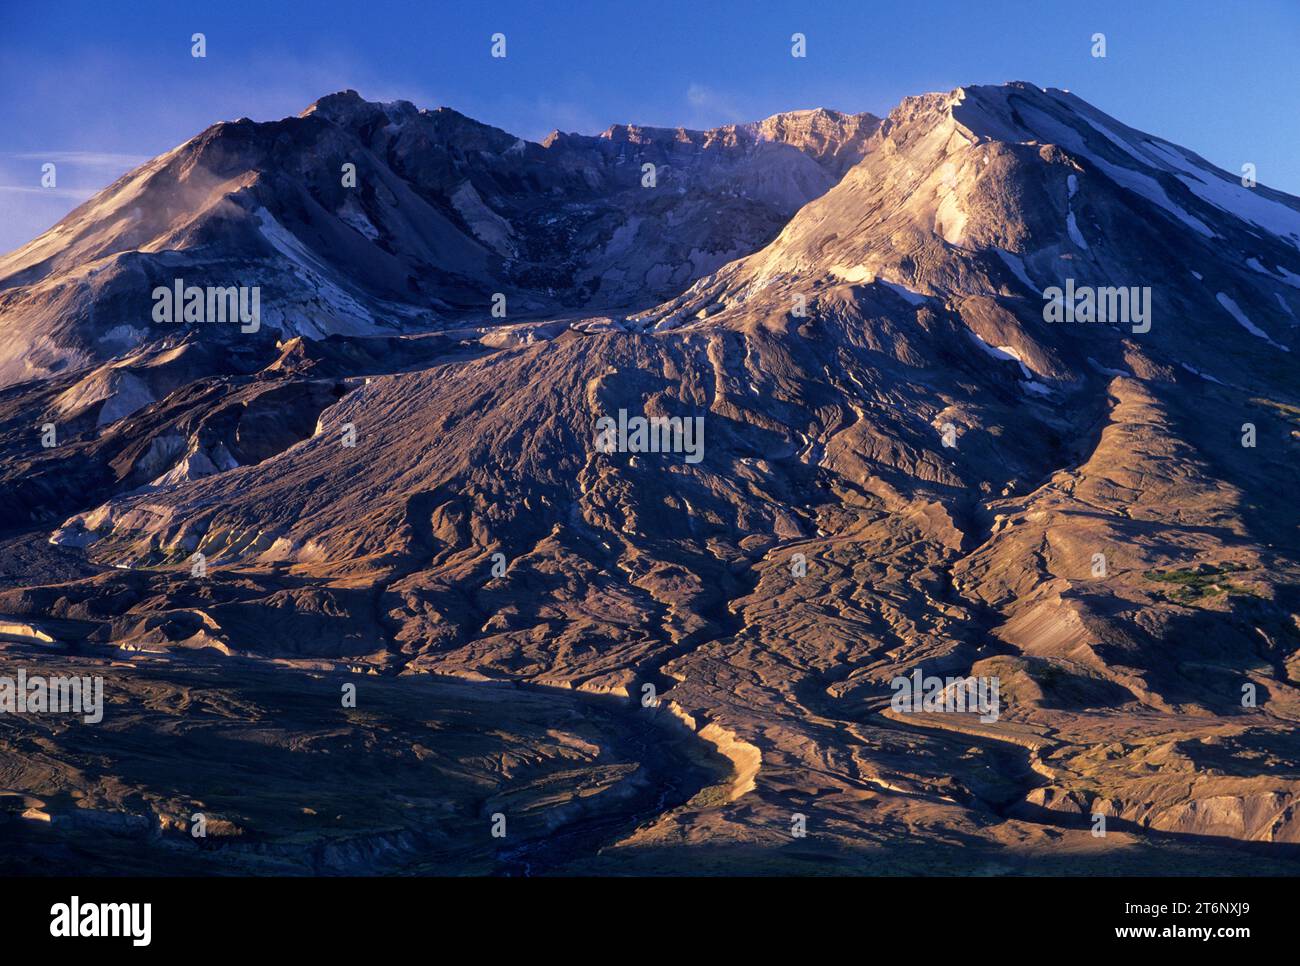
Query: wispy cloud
(98, 159)
(81, 194)
(708, 107)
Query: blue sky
(97, 87)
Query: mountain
(1009, 191)
(913, 461)
(445, 213)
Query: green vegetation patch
(1201, 582)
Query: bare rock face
(359, 218)
(910, 464)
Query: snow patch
(1204, 375)
(352, 216)
(1017, 267)
(1136, 181)
(1106, 371)
(1235, 198)
(1235, 311)
(1076, 236)
(1291, 278)
(907, 294)
(1003, 353)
